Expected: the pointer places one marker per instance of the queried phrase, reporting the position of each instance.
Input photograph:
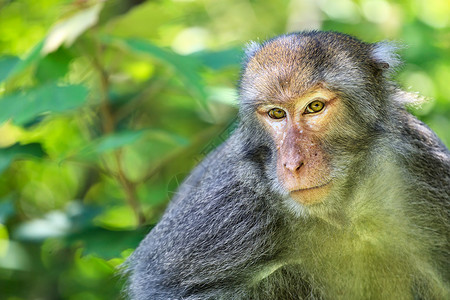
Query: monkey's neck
(373, 247)
(373, 191)
(375, 212)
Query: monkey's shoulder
(422, 148)
(426, 159)
(421, 136)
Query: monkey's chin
(313, 195)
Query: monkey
(327, 189)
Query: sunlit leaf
(54, 224)
(16, 257)
(23, 107)
(68, 30)
(225, 95)
(17, 151)
(153, 14)
(117, 218)
(4, 240)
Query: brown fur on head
(293, 63)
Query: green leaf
(125, 138)
(30, 58)
(167, 137)
(186, 66)
(17, 151)
(7, 64)
(108, 143)
(11, 66)
(7, 208)
(219, 59)
(117, 140)
(23, 107)
(105, 243)
(81, 214)
(53, 66)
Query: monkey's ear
(250, 50)
(385, 56)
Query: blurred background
(106, 106)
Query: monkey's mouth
(312, 195)
(311, 188)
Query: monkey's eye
(277, 113)
(314, 107)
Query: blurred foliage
(106, 106)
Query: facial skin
(297, 126)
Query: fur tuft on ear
(386, 56)
(250, 49)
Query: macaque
(328, 188)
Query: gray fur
(232, 232)
(386, 53)
(251, 49)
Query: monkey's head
(316, 99)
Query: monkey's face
(317, 102)
(298, 128)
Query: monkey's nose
(294, 167)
